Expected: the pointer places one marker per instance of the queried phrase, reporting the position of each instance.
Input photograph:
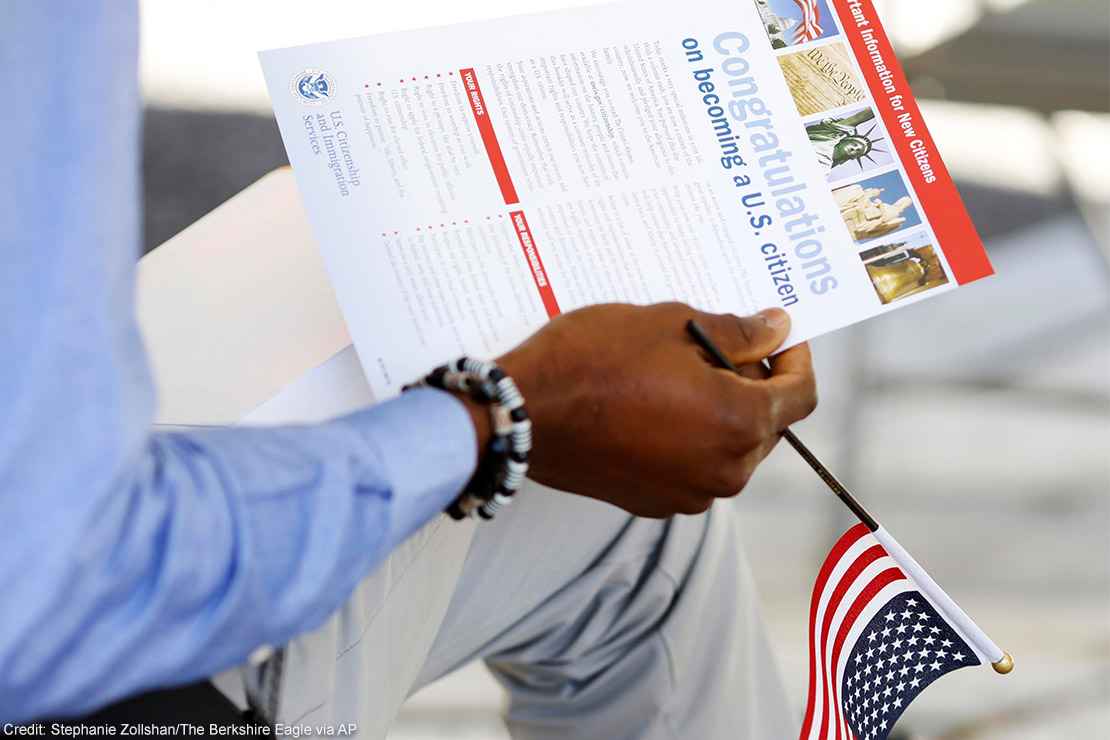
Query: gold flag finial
(1005, 665)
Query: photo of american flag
(810, 27)
(875, 642)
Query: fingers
(732, 476)
(754, 371)
(792, 386)
(753, 411)
(796, 360)
(747, 339)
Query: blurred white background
(977, 426)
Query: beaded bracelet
(505, 465)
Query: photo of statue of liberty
(848, 145)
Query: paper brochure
(467, 183)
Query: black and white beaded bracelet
(505, 465)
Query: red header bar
(535, 264)
(489, 138)
(929, 177)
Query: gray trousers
(598, 624)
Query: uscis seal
(312, 86)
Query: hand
(627, 409)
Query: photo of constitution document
(822, 78)
(789, 23)
(877, 206)
(850, 144)
(904, 267)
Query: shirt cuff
(427, 448)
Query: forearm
(212, 544)
(132, 560)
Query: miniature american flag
(875, 640)
(810, 27)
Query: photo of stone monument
(877, 206)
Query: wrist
(479, 417)
(540, 381)
(502, 429)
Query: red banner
(535, 264)
(899, 110)
(485, 127)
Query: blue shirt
(131, 559)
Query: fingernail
(776, 318)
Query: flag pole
(839, 489)
(1001, 661)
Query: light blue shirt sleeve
(131, 560)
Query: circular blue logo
(313, 86)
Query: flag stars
(901, 650)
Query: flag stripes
(810, 27)
(875, 642)
(856, 570)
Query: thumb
(747, 339)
